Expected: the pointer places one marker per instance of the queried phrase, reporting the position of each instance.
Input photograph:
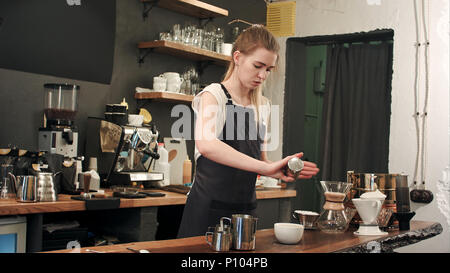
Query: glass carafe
(7, 182)
(333, 218)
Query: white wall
(327, 17)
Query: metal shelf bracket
(143, 52)
(201, 65)
(148, 6)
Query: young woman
(230, 129)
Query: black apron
(219, 190)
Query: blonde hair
(252, 38)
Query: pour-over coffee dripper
(334, 218)
(368, 210)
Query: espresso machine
(59, 134)
(136, 147)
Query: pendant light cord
(416, 93)
(427, 93)
(421, 138)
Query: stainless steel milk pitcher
(26, 188)
(243, 229)
(221, 240)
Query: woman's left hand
(309, 170)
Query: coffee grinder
(59, 134)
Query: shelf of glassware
(164, 96)
(193, 8)
(185, 51)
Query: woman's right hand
(277, 169)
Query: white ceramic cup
(159, 87)
(159, 79)
(170, 75)
(175, 80)
(159, 84)
(135, 120)
(93, 163)
(174, 87)
(226, 49)
(368, 209)
(288, 233)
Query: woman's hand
(276, 169)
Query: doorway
(306, 93)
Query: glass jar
(334, 218)
(60, 101)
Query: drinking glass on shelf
(176, 33)
(219, 35)
(195, 88)
(193, 74)
(197, 37)
(191, 81)
(235, 33)
(206, 39)
(210, 33)
(165, 36)
(188, 87)
(188, 33)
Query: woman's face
(252, 69)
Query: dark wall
(21, 93)
(59, 38)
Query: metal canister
(365, 182)
(294, 167)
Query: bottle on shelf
(187, 171)
(162, 165)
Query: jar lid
(295, 164)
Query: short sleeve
(216, 90)
(265, 113)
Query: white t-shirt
(216, 90)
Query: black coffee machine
(134, 149)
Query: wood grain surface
(193, 8)
(313, 241)
(186, 51)
(64, 203)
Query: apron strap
(229, 102)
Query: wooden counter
(135, 219)
(64, 203)
(313, 241)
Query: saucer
(370, 234)
(143, 90)
(369, 231)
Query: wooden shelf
(193, 8)
(164, 96)
(185, 51)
